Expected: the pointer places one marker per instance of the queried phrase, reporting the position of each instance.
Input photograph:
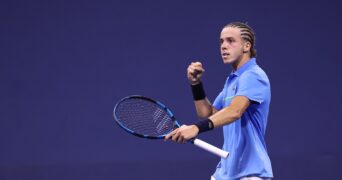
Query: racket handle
(210, 148)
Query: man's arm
(231, 113)
(204, 108)
(223, 117)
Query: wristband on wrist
(204, 125)
(198, 91)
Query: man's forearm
(204, 108)
(231, 113)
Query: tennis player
(241, 108)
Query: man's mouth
(225, 54)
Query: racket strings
(143, 117)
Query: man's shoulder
(255, 72)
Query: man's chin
(227, 61)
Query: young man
(241, 108)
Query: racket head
(144, 117)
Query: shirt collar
(251, 62)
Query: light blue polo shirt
(244, 139)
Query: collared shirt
(244, 138)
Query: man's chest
(229, 90)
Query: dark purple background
(64, 64)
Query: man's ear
(247, 47)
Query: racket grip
(210, 148)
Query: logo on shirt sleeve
(228, 98)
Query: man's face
(231, 45)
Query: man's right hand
(195, 72)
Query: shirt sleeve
(253, 86)
(218, 101)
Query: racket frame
(202, 144)
(161, 105)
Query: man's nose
(224, 46)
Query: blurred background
(64, 65)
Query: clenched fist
(195, 72)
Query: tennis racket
(147, 118)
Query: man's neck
(240, 62)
